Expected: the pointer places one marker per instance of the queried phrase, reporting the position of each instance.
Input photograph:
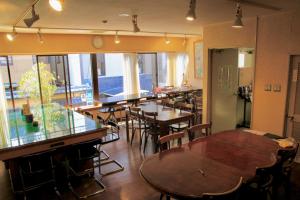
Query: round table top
(213, 164)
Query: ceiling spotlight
(135, 24)
(34, 17)
(238, 17)
(167, 40)
(11, 36)
(57, 4)
(40, 38)
(191, 14)
(117, 40)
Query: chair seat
(180, 125)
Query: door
(293, 107)
(224, 63)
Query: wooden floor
(126, 185)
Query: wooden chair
(168, 103)
(197, 101)
(151, 128)
(260, 187)
(166, 140)
(232, 194)
(283, 169)
(182, 125)
(135, 123)
(88, 114)
(199, 129)
(164, 144)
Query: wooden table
(223, 158)
(58, 128)
(166, 116)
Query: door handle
(291, 118)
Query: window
(80, 82)
(162, 59)
(25, 81)
(110, 74)
(147, 71)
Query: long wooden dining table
(214, 164)
(166, 116)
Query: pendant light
(11, 36)
(191, 14)
(117, 40)
(238, 17)
(167, 40)
(57, 4)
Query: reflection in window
(162, 69)
(147, 71)
(110, 74)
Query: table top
(165, 114)
(107, 101)
(213, 164)
(54, 122)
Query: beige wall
(277, 39)
(64, 43)
(223, 36)
(195, 82)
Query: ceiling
(153, 15)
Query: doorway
(292, 122)
(232, 72)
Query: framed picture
(198, 54)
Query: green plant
(30, 84)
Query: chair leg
(121, 168)
(132, 135)
(145, 143)
(161, 196)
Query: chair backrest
(168, 103)
(199, 128)
(232, 194)
(166, 139)
(184, 106)
(150, 114)
(288, 155)
(88, 114)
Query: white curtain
(171, 69)
(131, 74)
(181, 69)
(4, 133)
(177, 69)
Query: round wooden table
(213, 164)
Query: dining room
(144, 100)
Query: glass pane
(52, 76)
(80, 78)
(110, 74)
(162, 69)
(5, 81)
(24, 78)
(147, 72)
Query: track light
(34, 17)
(184, 40)
(191, 14)
(167, 41)
(135, 24)
(238, 17)
(11, 36)
(40, 37)
(117, 40)
(57, 4)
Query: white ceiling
(153, 15)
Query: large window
(147, 71)
(110, 74)
(162, 60)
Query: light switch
(276, 87)
(268, 87)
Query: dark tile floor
(126, 185)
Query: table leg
(127, 126)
